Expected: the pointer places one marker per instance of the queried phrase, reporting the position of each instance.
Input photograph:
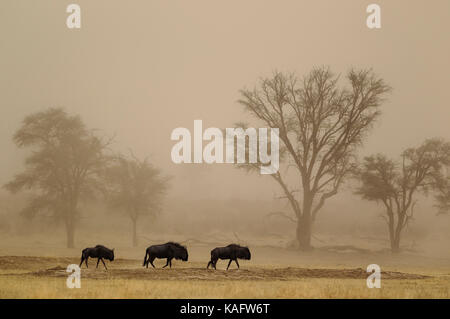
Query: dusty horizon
(137, 72)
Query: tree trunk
(70, 222)
(304, 225)
(396, 235)
(395, 241)
(304, 233)
(135, 239)
(395, 245)
(70, 233)
(391, 226)
(395, 229)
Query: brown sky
(139, 69)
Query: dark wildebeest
(98, 252)
(168, 250)
(231, 252)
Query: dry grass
(31, 287)
(45, 277)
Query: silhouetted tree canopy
(321, 124)
(136, 188)
(396, 184)
(63, 167)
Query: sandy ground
(129, 269)
(272, 273)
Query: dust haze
(134, 72)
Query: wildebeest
(168, 250)
(231, 252)
(98, 252)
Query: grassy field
(45, 277)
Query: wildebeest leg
(150, 259)
(167, 263)
(229, 263)
(98, 260)
(103, 263)
(82, 259)
(210, 262)
(215, 263)
(170, 262)
(87, 261)
(236, 262)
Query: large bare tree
(321, 125)
(396, 185)
(64, 165)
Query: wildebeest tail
(145, 258)
(83, 256)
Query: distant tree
(443, 198)
(63, 167)
(136, 188)
(396, 185)
(442, 191)
(321, 125)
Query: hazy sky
(139, 69)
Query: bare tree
(396, 184)
(136, 188)
(321, 124)
(63, 167)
